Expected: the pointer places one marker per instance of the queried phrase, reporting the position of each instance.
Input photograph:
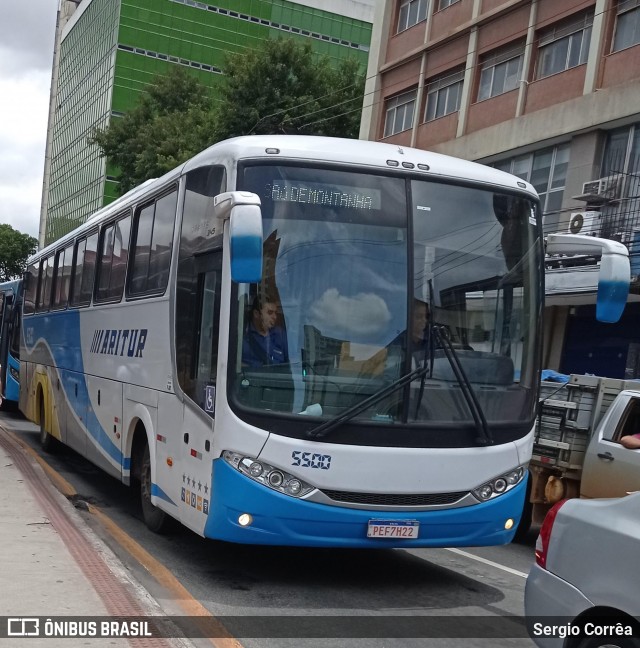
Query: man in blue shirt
(264, 343)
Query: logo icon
(23, 627)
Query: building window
(627, 25)
(621, 166)
(546, 170)
(564, 46)
(446, 3)
(399, 113)
(411, 13)
(443, 95)
(500, 72)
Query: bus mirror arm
(242, 208)
(614, 277)
(224, 203)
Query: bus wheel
(155, 519)
(47, 442)
(527, 516)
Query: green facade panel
(117, 47)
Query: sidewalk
(53, 565)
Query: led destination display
(316, 193)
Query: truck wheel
(155, 519)
(47, 442)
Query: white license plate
(393, 529)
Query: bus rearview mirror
(245, 239)
(614, 276)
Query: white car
(583, 591)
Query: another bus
(10, 316)
(401, 298)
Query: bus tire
(527, 516)
(155, 519)
(47, 442)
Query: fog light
(276, 478)
(508, 524)
(245, 520)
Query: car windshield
(368, 277)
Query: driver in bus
(264, 342)
(415, 335)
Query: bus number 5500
(308, 460)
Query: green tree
(171, 122)
(284, 87)
(15, 248)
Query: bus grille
(382, 499)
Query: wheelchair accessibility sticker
(209, 398)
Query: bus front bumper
(278, 519)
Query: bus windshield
(369, 277)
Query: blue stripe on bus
(282, 520)
(62, 340)
(158, 492)
(12, 388)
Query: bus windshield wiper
(484, 435)
(323, 429)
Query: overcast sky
(27, 31)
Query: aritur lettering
(119, 342)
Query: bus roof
(362, 154)
(12, 286)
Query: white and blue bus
(388, 396)
(10, 316)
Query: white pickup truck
(577, 452)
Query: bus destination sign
(315, 193)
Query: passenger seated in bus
(264, 342)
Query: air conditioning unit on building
(608, 188)
(585, 222)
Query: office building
(549, 91)
(108, 51)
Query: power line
(413, 75)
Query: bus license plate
(393, 529)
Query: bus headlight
(267, 475)
(500, 485)
(15, 374)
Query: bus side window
(198, 283)
(206, 338)
(62, 277)
(84, 270)
(153, 236)
(113, 260)
(31, 290)
(14, 343)
(46, 279)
